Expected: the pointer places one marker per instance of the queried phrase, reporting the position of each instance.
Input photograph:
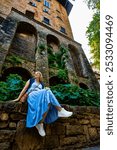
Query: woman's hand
(15, 100)
(47, 88)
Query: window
(46, 20)
(62, 30)
(30, 14)
(45, 10)
(57, 10)
(46, 3)
(59, 18)
(32, 4)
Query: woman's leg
(61, 111)
(45, 114)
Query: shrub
(65, 93)
(73, 95)
(11, 88)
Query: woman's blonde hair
(40, 77)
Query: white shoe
(41, 129)
(64, 113)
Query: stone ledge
(79, 131)
(22, 108)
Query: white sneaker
(64, 113)
(41, 129)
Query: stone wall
(17, 34)
(79, 131)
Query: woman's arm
(23, 91)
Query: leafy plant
(41, 48)
(65, 93)
(93, 32)
(57, 59)
(11, 88)
(62, 74)
(13, 59)
(73, 95)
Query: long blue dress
(38, 103)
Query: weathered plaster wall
(79, 131)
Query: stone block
(7, 135)
(12, 125)
(51, 141)
(68, 140)
(5, 146)
(58, 129)
(3, 124)
(28, 139)
(95, 122)
(84, 121)
(16, 117)
(93, 134)
(74, 130)
(73, 121)
(86, 132)
(4, 116)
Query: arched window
(76, 60)
(24, 42)
(53, 42)
(83, 86)
(25, 74)
(55, 80)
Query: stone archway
(24, 41)
(55, 80)
(76, 60)
(53, 42)
(25, 74)
(83, 86)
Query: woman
(43, 106)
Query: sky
(80, 18)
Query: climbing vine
(57, 61)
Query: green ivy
(62, 74)
(11, 88)
(73, 95)
(13, 59)
(57, 59)
(65, 93)
(41, 48)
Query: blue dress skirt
(38, 103)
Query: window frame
(44, 20)
(32, 4)
(62, 29)
(47, 4)
(46, 10)
(28, 12)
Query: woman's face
(37, 74)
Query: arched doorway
(83, 86)
(55, 80)
(53, 42)
(25, 74)
(24, 41)
(76, 61)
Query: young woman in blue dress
(43, 107)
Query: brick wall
(79, 131)
(23, 5)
